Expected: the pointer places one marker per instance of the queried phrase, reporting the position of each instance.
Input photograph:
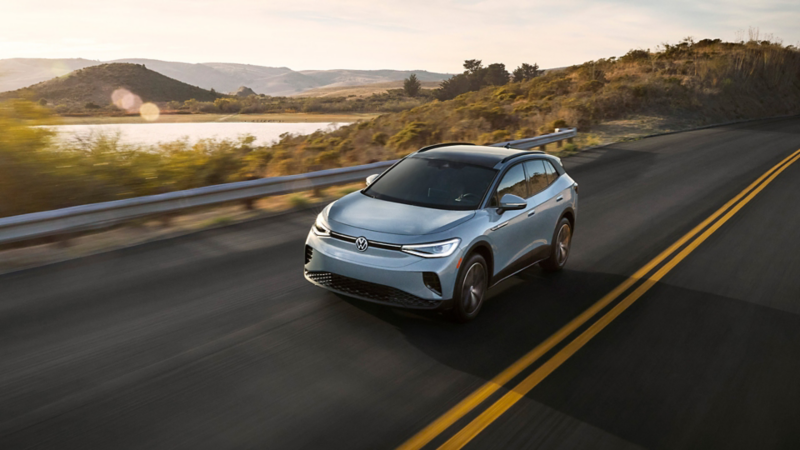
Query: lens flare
(149, 112)
(127, 100)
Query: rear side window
(513, 183)
(537, 176)
(552, 175)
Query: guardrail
(540, 141)
(101, 215)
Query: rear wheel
(470, 289)
(562, 240)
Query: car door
(539, 212)
(509, 232)
(548, 203)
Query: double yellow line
(472, 429)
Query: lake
(153, 133)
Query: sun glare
(149, 112)
(127, 100)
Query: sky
(434, 35)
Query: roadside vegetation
(393, 100)
(38, 172)
(699, 82)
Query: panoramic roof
(478, 155)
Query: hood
(359, 211)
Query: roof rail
(522, 153)
(445, 144)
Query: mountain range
(18, 73)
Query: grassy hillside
(361, 91)
(695, 83)
(95, 85)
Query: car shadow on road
(678, 368)
(518, 314)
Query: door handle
(560, 197)
(533, 211)
(497, 227)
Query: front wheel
(562, 239)
(470, 289)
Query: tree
(453, 87)
(474, 78)
(526, 72)
(473, 65)
(411, 86)
(496, 75)
(43, 101)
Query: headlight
(319, 228)
(434, 250)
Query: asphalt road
(215, 340)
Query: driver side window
(513, 183)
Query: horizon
(126, 60)
(358, 35)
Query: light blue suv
(443, 225)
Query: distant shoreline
(196, 118)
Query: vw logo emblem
(362, 244)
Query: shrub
(636, 56)
(298, 201)
(591, 86)
(380, 138)
(569, 148)
(414, 134)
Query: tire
(562, 240)
(470, 289)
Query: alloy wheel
(562, 244)
(474, 288)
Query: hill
(243, 91)
(683, 85)
(222, 77)
(95, 84)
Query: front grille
(309, 253)
(373, 244)
(372, 291)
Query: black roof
(471, 154)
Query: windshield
(433, 183)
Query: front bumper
(378, 275)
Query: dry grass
(360, 91)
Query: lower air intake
(371, 291)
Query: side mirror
(511, 202)
(371, 178)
